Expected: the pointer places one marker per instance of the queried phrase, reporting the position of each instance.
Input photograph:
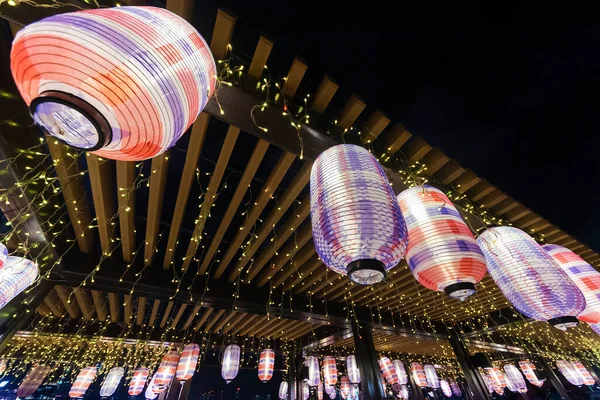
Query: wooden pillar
(366, 358)
(554, 379)
(474, 379)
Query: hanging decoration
(16, 275)
(266, 364)
(138, 381)
(418, 375)
(150, 394)
(352, 369)
(431, 376)
(528, 370)
(445, 388)
(456, 389)
(320, 391)
(331, 391)
(497, 379)
(569, 372)
(314, 375)
(305, 390)
(585, 277)
(528, 277)
(354, 393)
(3, 255)
(442, 253)
(344, 386)
(111, 381)
(83, 381)
(586, 377)
(187, 362)
(404, 395)
(401, 372)
(514, 379)
(231, 362)
(165, 372)
(2, 367)
(283, 390)
(488, 381)
(330, 371)
(110, 80)
(358, 228)
(388, 371)
(33, 380)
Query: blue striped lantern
(352, 369)
(401, 372)
(446, 388)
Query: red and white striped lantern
(138, 381)
(416, 370)
(166, 371)
(83, 381)
(330, 371)
(586, 377)
(344, 386)
(388, 371)
(33, 380)
(352, 369)
(528, 369)
(497, 379)
(266, 364)
(150, 394)
(187, 362)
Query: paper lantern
(442, 253)
(353, 395)
(165, 372)
(514, 379)
(401, 372)
(529, 278)
(266, 363)
(358, 228)
(320, 391)
(569, 372)
(305, 390)
(111, 381)
(83, 381)
(352, 369)
(403, 393)
(388, 371)
(330, 371)
(585, 277)
(124, 83)
(528, 370)
(231, 362)
(138, 381)
(330, 390)
(445, 388)
(595, 328)
(3, 255)
(283, 389)
(497, 379)
(456, 389)
(418, 375)
(2, 367)
(344, 386)
(16, 275)
(313, 370)
(150, 394)
(431, 376)
(33, 380)
(187, 362)
(586, 377)
(488, 382)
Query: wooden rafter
(101, 179)
(125, 199)
(158, 179)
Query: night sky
(509, 92)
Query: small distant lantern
(352, 369)
(404, 395)
(586, 377)
(3, 255)
(569, 372)
(111, 381)
(358, 228)
(231, 362)
(418, 375)
(488, 381)
(456, 389)
(283, 390)
(431, 376)
(388, 371)
(187, 362)
(529, 278)
(83, 381)
(528, 369)
(138, 381)
(401, 372)
(514, 379)
(266, 363)
(2, 367)
(344, 386)
(314, 375)
(330, 371)
(166, 371)
(320, 391)
(16, 275)
(446, 388)
(33, 380)
(150, 394)
(497, 379)
(305, 390)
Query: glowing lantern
(313, 370)
(266, 364)
(344, 386)
(497, 379)
(305, 390)
(514, 379)
(166, 371)
(330, 390)
(33, 380)
(488, 381)
(16, 275)
(231, 362)
(401, 372)
(83, 381)
(416, 370)
(569, 372)
(187, 362)
(431, 376)
(442, 253)
(149, 391)
(403, 392)
(320, 391)
(138, 381)
(111, 381)
(330, 371)
(446, 388)
(352, 370)
(283, 390)
(358, 228)
(2, 367)
(529, 278)
(595, 328)
(353, 392)
(528, 370)
(586, 377)
(456, 389)
(111, 81)
(3, 255)
(585, 277)
(388, 371)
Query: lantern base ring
(366, 271)
(460, 290)
(564, 323)
(71, 120)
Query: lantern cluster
(442, 253)
(514, 379)
(357, 225)
(231, 362)
(15, 276)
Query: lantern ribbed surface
(165, 372)
(138, 381)
(431, 376)
(569, 372)
(442, 253)
(3, 255)
(149, 393)
(111, 381)
(83, 381)
(584, 373)
(320, 391)
(187, 362)
(330, 371)
(283, 390)
(404, 395)
(33, 380)
(585, 277)
(314, 376)
(305, 390)
(488, 381)
(231, 362)
(456, 389)
(352, 369)
(358, 228)
(418, 375)
(497, 379)
(528, 369)
(514, 379)
(331, 391)
(401, 372)
(266, 363)
(126, 82)
(388, 370)
(344, 386)
(16, 275)
(529, 278)
(446, 388)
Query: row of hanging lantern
(575, 373)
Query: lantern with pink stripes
(352, 369)
(124, 82)
(166, 371)
(488, 381)
(83, 381)
(497, 379)
(16, 275)
(583, 275)
(529, 278)
(331, 391)
(431, 376)
(231, 362)
(187, 362)
(3, 254)
(320, 391)
(344, 386)
(442, 253)
(456, 389)
(403, 393)
(138, 381)
(514, 379)
(330, 370)
(111, 381)
(528, 370)
(305, 390)
(33, 380)
(418, 375)
(586, 377)
(266, 363)
(569, 372)
(401, 372)
(314, 376)
(388, 371)
(445, 388)
(283, 390)
(357, 225)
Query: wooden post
(366, 357)
(474, 380)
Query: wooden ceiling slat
(493, 199)
(211, 193)
(312, 276)
(128, 308)
(527, 221)
(251, 167)
(376, 123)
(190, 318)
(205, 314)
(352, 109)
(178, 316)
(285, 202)
(517, 212)
(466, 181)
(250, 318)
(239, 317)
(158, 179)
(249, 327)
(540, 225)
(327, 285)
(294, 77)
(126, 202)
(65, 296)
(566, 242)
(284, 329)
(416, 149)
(213, 320)
(550, 230)
(283, 164)
(480, 190)
(55, 305)
(340, 282)
(504, 206)
(183, 8)
(154, 313)
(302, 273)
(264, 325)
(323, 95)
(141, 311)
(43, 310)
(396, 138)
(218, 327)
(274, 328)
(197, 136)
(100, 305)
(85, 303)
(334, 291)
(301, 332)
(259, 61)
(101, 179)
(434, 160)
(299, 329)
(449, 172)
(222, 33)
(167, 313)
(296, 263)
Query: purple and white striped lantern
(320, 391)
(401, 372)
(514, 379)
(586, 377)
(431, 376)
(488, 381)
(231, 362)
(358, 228)
(331, 391)
(352, 369)
(569, 372)
(111, 381)
(314, 376)
(138, 381)
(528, 369)
(33, 380)
(150, 394)
(403, 393)
(124, 83)
(283, 390)
(456, 389)
(16, 275)
(446, 388)
(305, 390)
(442, 253)
(529, 278)
(330, 371)
(3, 255)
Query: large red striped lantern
(528, 370)
(344, 386)
(330, 371)
(445, 388)
(401, 372)
(388, 371)
(569, 372)
(231, 362)
(187, 362)
(357, 225)
(266, 363)
(352, 369)
(529, 278)
(3, 254)
(138, 381)
(124, 83)
(314, 376)
(150, 394)
(283, 390)
(418, 375)
(584, 373)
(16, 275)
(165, 372)
(111, 381)
(83, 381)
(497, 379)
(583, 275)
(442, 253)
(514, 379)
(33, 380)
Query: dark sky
(510, 92)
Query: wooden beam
(251, 318)
(213, 320)
(323, 95)
(396, 138)
(154, 313)
(205, 314)
(259, 61)
(528, 220)
(222, 33)
(128, 308)
(100, 305)
(125, 198)
(239, 318)
(416, 149)
(504, 206)
(352, 109)
(115, 307)
(249, 327)
(102, 182)
(158, 180)
(517, 212)
(55, 305)
(294, 77)
(376, 123)
(85, 303)
(434, 160)
(141, 311)
(165, 318)
(191, 317)
(183, 8)
(493, 199)
(178, 316)
(480, 190)
(43, 310)
(449, 173)
(65, 296)
(466, 181)
(218, 327)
